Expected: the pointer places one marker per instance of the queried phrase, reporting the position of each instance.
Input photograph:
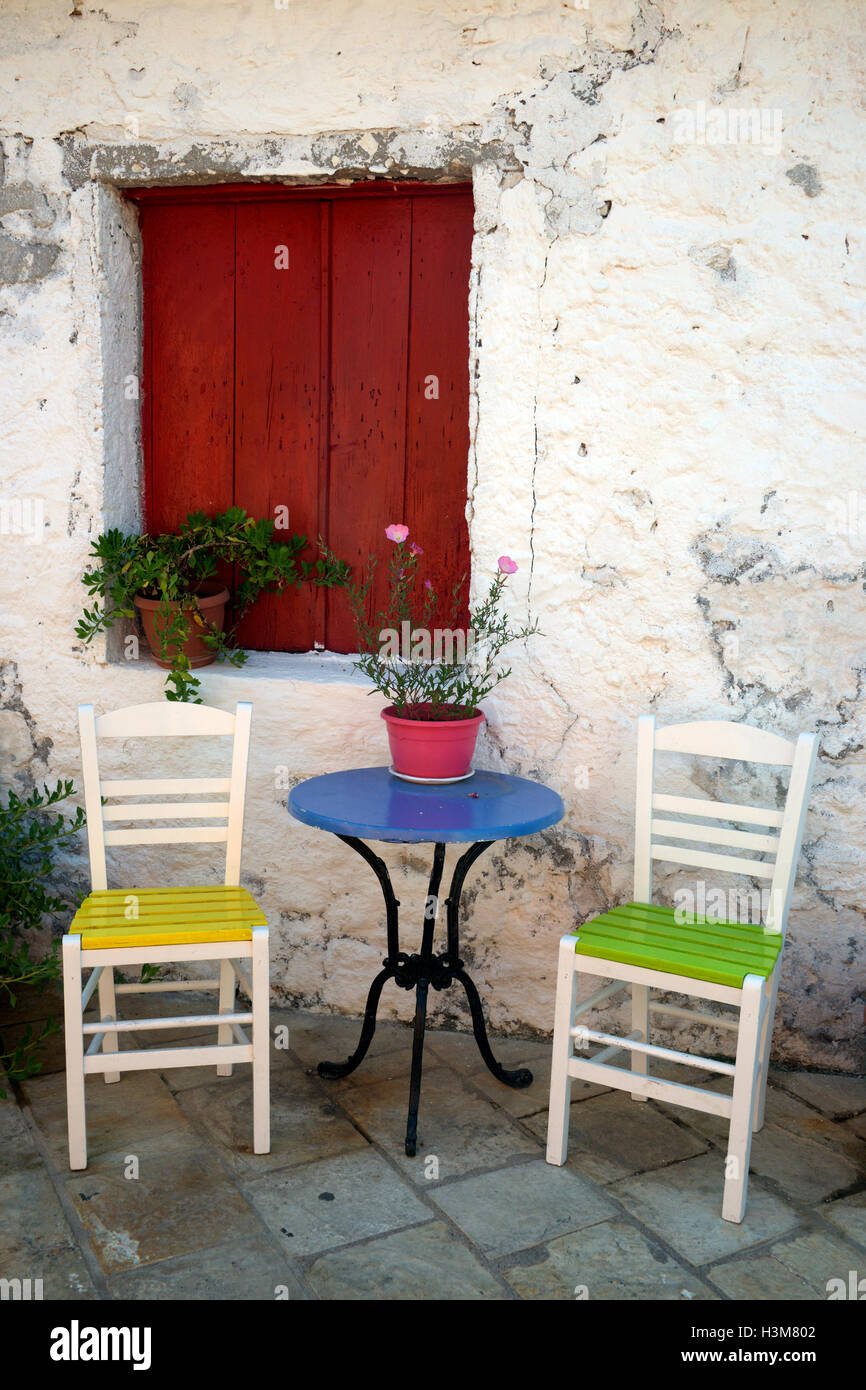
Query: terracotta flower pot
(435, 748)
(212, 597)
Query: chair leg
(640, 1024)
(226, 1006)
(108, 1011)
(746, 1068)
(74, 1035)
(772, 989)
(560, 1081)
(261, 1042)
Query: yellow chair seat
(117, 917)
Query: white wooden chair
(129, 927)
(644, 947)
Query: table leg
(424, 972)
(522, 1077)
(518, 1079)
(333, 1070)
(419, 972)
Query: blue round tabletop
(371, 804)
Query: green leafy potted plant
(29, 839)
(434, 676)
(172, 581)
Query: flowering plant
(431, 672)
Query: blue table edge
(361, 831)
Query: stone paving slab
(809, 1156)
(837, 1097)
(304, 1125)
(335, 1202)
(809, 1172)
(17, 1149)
(169, 1210)
(816, 1256)
(612, 1136)
(36, 1239)
(849, 1214)
(761, 1278)
(683, 1205)
(797, 1269)
(33, 1225)
(840, 1136)
(521, 1205)
(240, 1270)
(62, 1270)
(394, 1066)
(134, 1116)
(424, 1262)
(460, 1051)
(314, 1038)
(457, 1127)
(857, 1125)
(607, 1261)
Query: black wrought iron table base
(420, 971)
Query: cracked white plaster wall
(666, 416)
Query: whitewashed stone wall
(667, 367)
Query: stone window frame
(108, 170)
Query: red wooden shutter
(189, 360)
(279, 390)
(336, 385)
(437, 422)
(370, 269)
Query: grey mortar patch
(805, 176)
(23, 197)
(338, 155)
(22, 262)
(12, 698)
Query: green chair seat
(646, 935)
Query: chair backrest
(776, 836)
(164, 719)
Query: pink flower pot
(435, 748)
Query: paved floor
(174, 1204)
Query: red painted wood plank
(437, 429)
(278, 396)
(370, 270)
(189, 259)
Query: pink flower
(427, 584)
(507, 565)
(397, 533)
(416, 549)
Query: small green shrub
(29, 838)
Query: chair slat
(718, 810)
(705, 859)
(162, 1058)
(168, 810)
(193, 893)
(164, 786)
(715, 835)
(721, 738)
(156, 720)
(170, 835)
